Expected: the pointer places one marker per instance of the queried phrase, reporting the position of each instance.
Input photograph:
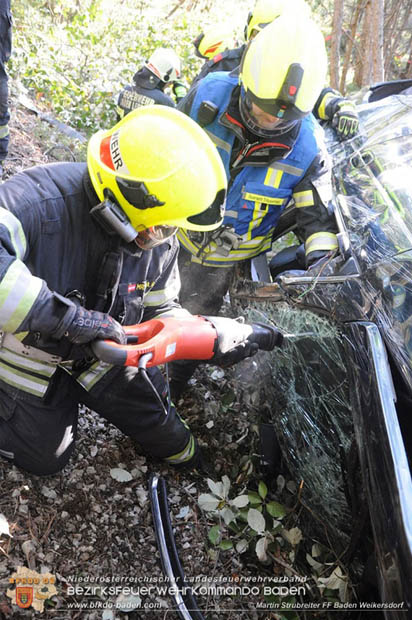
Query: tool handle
(166, 339)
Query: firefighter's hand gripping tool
(193, 337)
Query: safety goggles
(155, 235)
(261, 123)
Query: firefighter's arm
(316, 224)
(28, 304)
(341, 112)
(179, 90)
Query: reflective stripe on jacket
(258, 194)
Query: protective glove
(239, 353)
(88, 325)
(179, 90)
(236, 341)
(345, 119)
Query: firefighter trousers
(39, 435)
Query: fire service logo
(31, 589)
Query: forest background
(74, 56)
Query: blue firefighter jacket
(257, 194)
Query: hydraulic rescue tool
(194, 337)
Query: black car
(341, 389)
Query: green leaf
(256, 520)
(276, 510)
(254, 498)
(214, 534)
(263, 490)
(226, 544)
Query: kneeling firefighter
(86, 248)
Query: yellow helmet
(266, 11)
(161, 169)
(282, 73)
(214, 40)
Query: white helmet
(164, 63)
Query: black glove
(88, 325)
(345, 119)
(239, 353)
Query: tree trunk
(364, 70)
(376, 41)
(336, 39)
(350, 45)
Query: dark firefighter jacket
(146, 90)
(50, 245)
(263, 177)
(225, 61)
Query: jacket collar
(248, 148)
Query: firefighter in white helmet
(162, 69)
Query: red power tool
(194, 337)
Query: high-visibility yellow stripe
(304, 199)
(4, 131)
(18, 292)
(273, 177)
(17, 236)
(210, 256)
(157, 298)
(27, 363)
(185, 455)
(321, 241)
(321, 109)
(91, 376)
(23, 381)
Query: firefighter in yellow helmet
(213, 41)
(265, 11)
(330, 106)
(86, 248)
(273, 152)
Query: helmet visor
(155, 235)
(261, 123)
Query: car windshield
(373, 180)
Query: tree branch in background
(351, 45)
(337, 22)
(178, 5)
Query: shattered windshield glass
(308, 383)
